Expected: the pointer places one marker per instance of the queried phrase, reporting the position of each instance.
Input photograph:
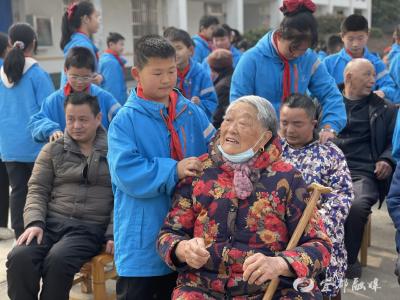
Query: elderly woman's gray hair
(266, 112)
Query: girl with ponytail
(79, 22)
(23, 87)
(281, 64)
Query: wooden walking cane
(317, 190)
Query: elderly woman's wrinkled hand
(190, 166)
(193, 252)
(258, 268)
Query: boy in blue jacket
(49, 123)
(111, 66)
(203, 40)
(354, 32)
(193, 81)
(153, 143)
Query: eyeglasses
(80, 78)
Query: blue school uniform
(201, 49)
(1, 62)
(336, 63)
(79, 39)
(113, 76)
(394, 69)
(144, 176)
(260, 72)
(51, 117)
(18, 102)
(198, 83)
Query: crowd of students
(89, 164)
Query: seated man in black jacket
(366, 141)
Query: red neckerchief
(115, 54)
(349, 53)
(181, 75)
(68, 89)
(97, 52)
(210, 44)
(286, 71)
(175, 144)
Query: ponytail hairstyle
(72, 19)
(3, 44)
(299, 24)
(21, 37)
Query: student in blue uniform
(354, 32)
(153, 142)
(281, 63)
(222, 40)
(393, 60)
(5, 233)
(192, 80)
(79, 22)
(203, 40)
(112, 66)
(23, 87)
(49, 123)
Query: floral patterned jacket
(234, 229)
(326, 165)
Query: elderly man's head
(359, 78)
(249, 123)
(298, 120)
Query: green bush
(254, 35)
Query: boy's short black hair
(114, 37)
(207, 21)
(80, 98)
(221, 31)
(354, 22)
(152, 46)
(334, 41)
(173, 34)
(80, 57)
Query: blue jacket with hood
(198, 83)
(18, 102)
(144, 176)
(51, 117)
(79, 40)
(113, 76)
(260, 72)
(201, 49)
(336, 63)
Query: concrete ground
(376, 282)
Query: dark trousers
(139, 288)
(366, 194)
(4, 195)
(67, 244)
(18, 175)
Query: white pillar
(234, 14)
(177, 14)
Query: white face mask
(240, 157)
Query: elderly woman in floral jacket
(228, 228)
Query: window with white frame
(144, 18)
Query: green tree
(385, 14)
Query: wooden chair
(93, 276)
(365, 243)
